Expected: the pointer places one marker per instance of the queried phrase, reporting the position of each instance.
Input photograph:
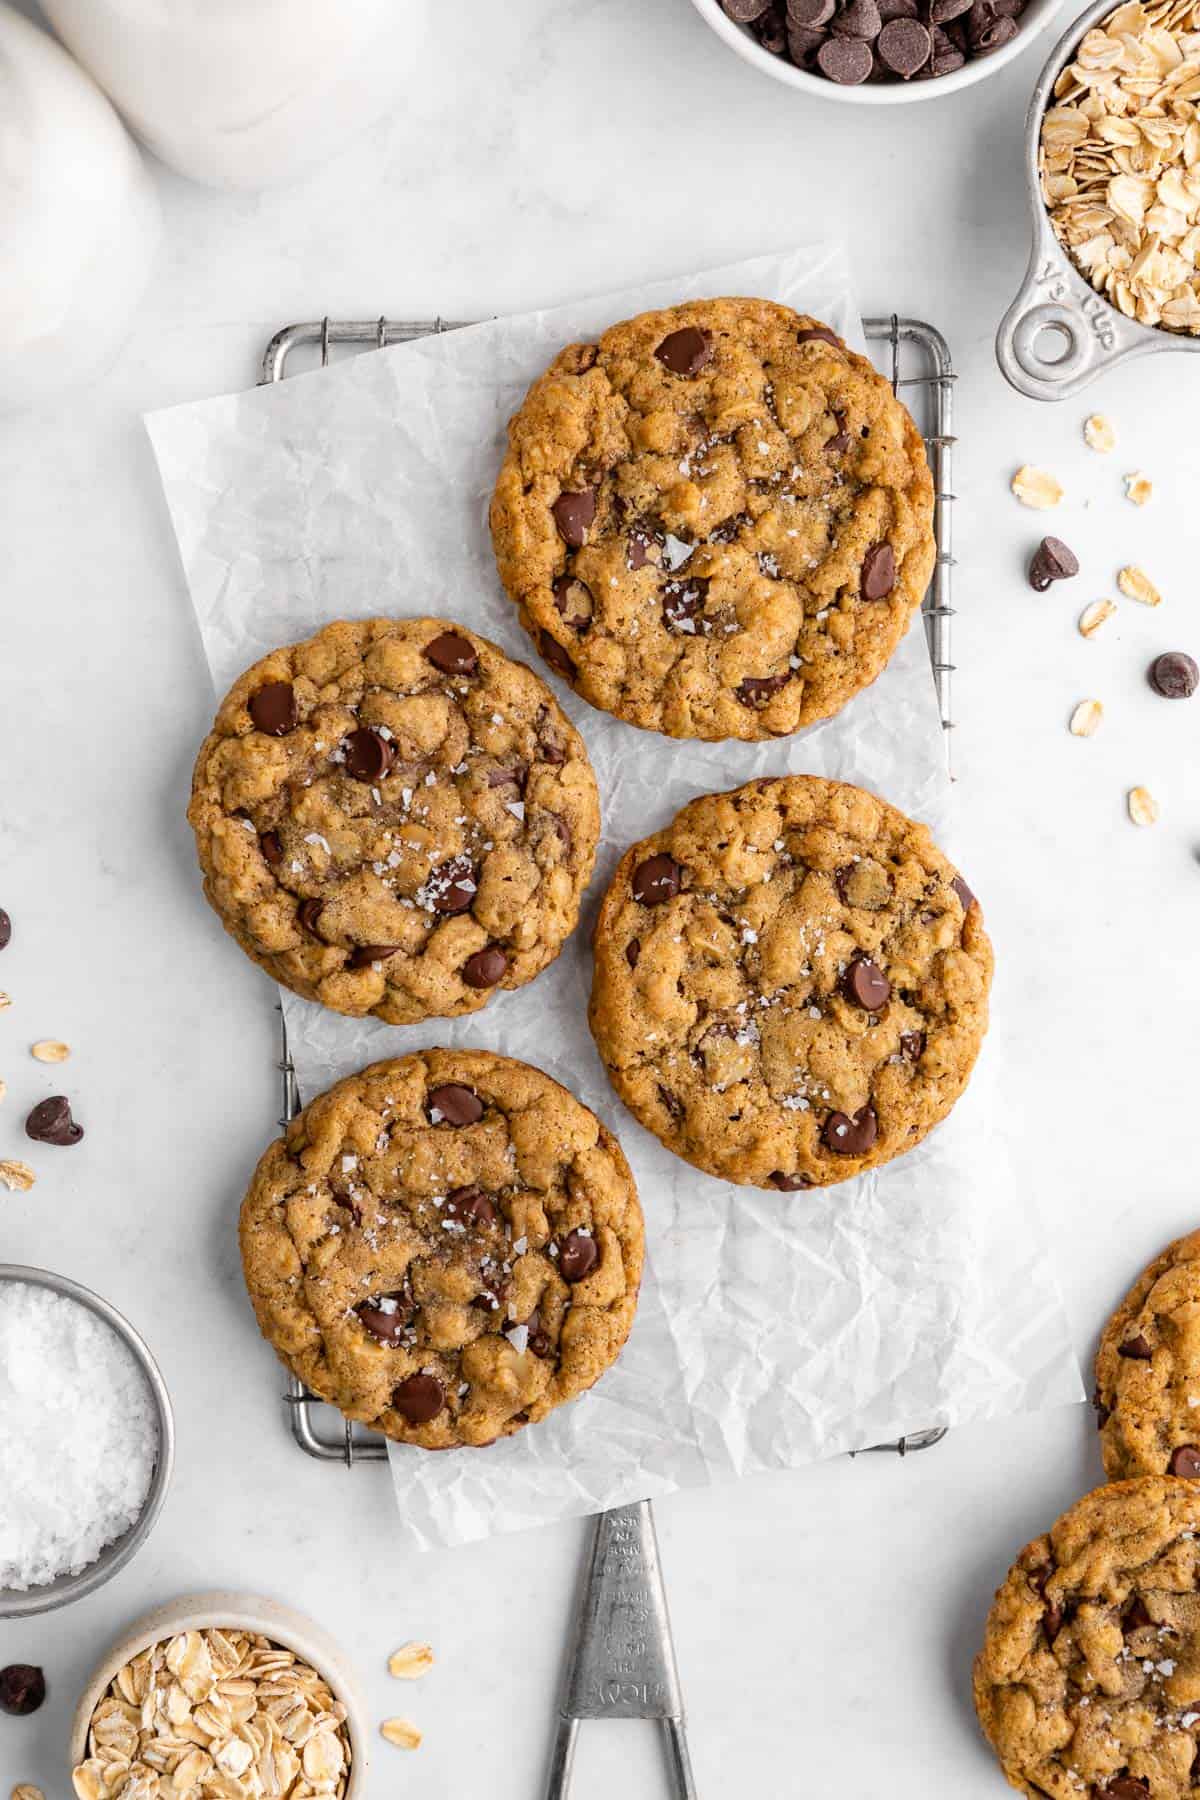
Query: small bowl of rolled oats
(1113, 164)
(219, 1696)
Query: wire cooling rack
(916, 359)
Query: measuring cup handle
(1059, 334)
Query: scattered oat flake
(401, 1732)
(410, 1662)
(1092, 617)
(1138, 488)
(1135, 584)
(1143, 807)
(17, 1177)
(5, 1000)
(1099, 433)
(1085, 720)
(50, 1050)
(1036, 488)
(25, 1790)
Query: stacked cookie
(1089, 1678)
(714, 522)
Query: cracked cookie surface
(446, 1246)
(791, 983)
(1148, 1370)
(1088, 1683)
(717, 521)
(394, 817)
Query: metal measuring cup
(1059, 334)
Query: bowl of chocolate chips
(877, 52)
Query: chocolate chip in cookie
(453, 1104)
(578, 1255)
(657, 880)
(865, 984)
(686, 351)
(419, 1398)
(850, 1134)
(486, 967)
(453, 654)
(273, 708)
(573, 514)
(368, 754)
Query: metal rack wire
(919, 367)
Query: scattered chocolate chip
(22, 1689)
(686, 351)
(1137, 1349)
(1185, 1462)
(682, 601)
(50, 1122)
(657, 879)
(272, 848)
(878, 572)
(902, 9)
(905, 46)
(5, 930)
(812, 13)
(486, 967)
(819, 334)
(1174, 675)
(788, 1184)
(947, 55)
(471, 1206)
(273, 708)
(851, 1135)
(556, 656)
(912, 1045)
(573, 600)
(964, 893)
(578, 1255)
(388, 1324)
(452, 887)
(1051, 561)
(454, 1105)
(846, 60)
(368, 755)
(365, 954)
(308, 913)
(771, 30)
(1136, 1617)
(858, 19)
(633, 950)
(757, 690)
(573, 513)
(452, 654)
(942, 11)
(744, 12)
(993, 36)
(865, 984)
(419, 1398)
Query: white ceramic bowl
(1036, 16)
(235, 1612)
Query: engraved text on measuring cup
(1095, 311)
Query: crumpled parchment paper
(773, 1330)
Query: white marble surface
(824, 1621)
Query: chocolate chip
(454, 1105)
(682, 601)
(912, 1045)
(452, 887)
(471, 1206)
(637, 547)
(1103, 1413)
(556, 656)
(486, 967)
(1137, 1349)
(368, 755)
(365, 954)
(1053, 1619)
(756, 690)
(744, 12)
(964, 893)
(633, 950)
(573, 599)
(686, 351)
(810, 12)
(994, 36)
(878, 572)
(657, 879)
(308, 913)
(1126, 1787)
(946, 56)
(419, 1399)
(850, 1135)
(771, 31)
(272, 848)
(1185, 1462)
(788, 1184)
(846, 60)
(516, 778)
(1051, 561)
(942, 11)
(50, 1122)
(273, 708)
(5, 930)
(904, 47)
(540, 1344)
(865, 984)
(1174, 675)
(838, 444)
(573, 513)
(902, 9)
(819, 334)
(22, 1689)
(578, 1255)
(452, 654)
(1135, 1617)
(858, 19)
(492, 1295)
(387, 1324)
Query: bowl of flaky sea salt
(86, 1441)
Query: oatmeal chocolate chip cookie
(791, 983)
(1088, 1683)
(1148, 1370)
(446, 1246)
(395, 818)
(716, 522)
